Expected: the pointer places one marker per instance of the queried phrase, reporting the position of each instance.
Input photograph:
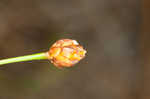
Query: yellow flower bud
(66, 53)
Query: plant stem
(38, 56)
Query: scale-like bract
(66, 53)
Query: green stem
(38, 56)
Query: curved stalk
(37, 56)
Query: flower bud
(66, 53)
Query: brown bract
(66, 53)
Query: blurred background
(117, 41)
